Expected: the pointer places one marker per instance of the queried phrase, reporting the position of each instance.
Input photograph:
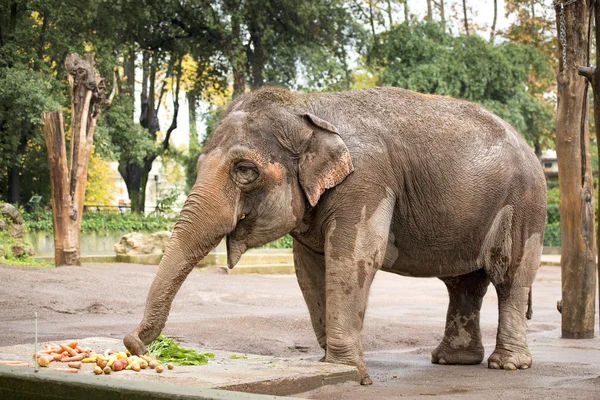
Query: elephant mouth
(235, 250)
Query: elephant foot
(504, 359)
(363, 373)
(445, 354)
(134, 344)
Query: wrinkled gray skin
(379, 179)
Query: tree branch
(588, 72)
(175, 106)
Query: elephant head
(266, 163)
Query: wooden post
(578, 261)
(592, 74)
(68, 180)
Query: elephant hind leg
(511, 350)
(462, 337)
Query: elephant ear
(325, 161)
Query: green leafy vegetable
(168, 350)
(236, 357)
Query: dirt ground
(266, 314)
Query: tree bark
(465, 16)
(442, 14)
(429, 11)
(258, 56)
(493, 32)
(192, 119)
(235, 51)
(593, 77)
(578, 261)
(14, 172)
(68, 182)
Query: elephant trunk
(202, 224)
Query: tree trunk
(593, 76)
(493, 32)
(258, 58)
(465, 16)
(406, 13)
(67, 182)
(135, 175)
(14, 172)
(443, 14)
(236, 52)
(429, 11)
(389, 13)
(193, 118)
(578, 261)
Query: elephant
(367, 180)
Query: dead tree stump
(68, 180)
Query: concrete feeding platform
(229, 371)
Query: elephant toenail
(509, 366)
(524, 366)
(442, 361)
(493, 365)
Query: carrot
(79, 349)
(4, 362)
(56, 357)
(43, 353)
(71, 370)
(78, 357)
(72, 345)
(68, 350)
(75, 364)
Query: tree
(578, 255)
(592, 74)
(466, 19)
(433, 61)
(493, 30)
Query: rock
(137, 243)
(16, 231)
(11, 221)
(8, 210)
(20, 250)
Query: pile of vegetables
(168, 350)
(69, 353)
(163, 350)
(111, 361)
(106, 362)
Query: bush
(284, 242)
(103, 222)
(552, 234)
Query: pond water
(92, 243)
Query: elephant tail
(529, 313)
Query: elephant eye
(245, 172)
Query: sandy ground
(266, 314)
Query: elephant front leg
(462, 337)
(348, 283)
(310, 271)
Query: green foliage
(24, 95)
(103, 222)
(422, 56)
(118, 136)
(552, 230)
(6, 241)
(284, 242)
(167, 200)
(168, 350)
